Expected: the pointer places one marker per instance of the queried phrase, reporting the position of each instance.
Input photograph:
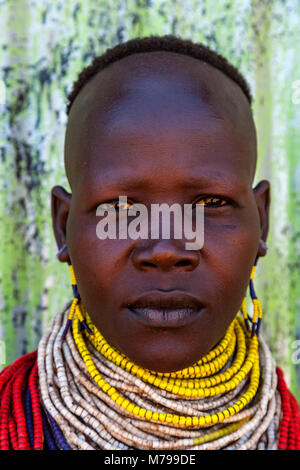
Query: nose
(165, 255)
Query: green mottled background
(43, 46)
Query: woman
(157, 350)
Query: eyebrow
(132, 183)
(221, 180)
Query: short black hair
(168, 43)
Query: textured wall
(43, 46)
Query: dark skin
(162, 127)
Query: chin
(164, 357)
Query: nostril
(180, 264)
(183, 263)
(147, 264)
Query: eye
(211, 201)
(117, 205)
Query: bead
(100, 399)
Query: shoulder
(18, 368)
(289, 432)
(18, 392)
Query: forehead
(152, 110)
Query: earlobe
(262, 250)
(60, 206)
(263, 200)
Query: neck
(228, 398)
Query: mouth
(172, 310)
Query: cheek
(96, 262)
(230, 248)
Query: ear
(263, 200)
(60, 206)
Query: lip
(170, 310)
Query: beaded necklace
(85, 416)
(233, 366)
(77, 392)
(100, 399)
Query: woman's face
(174, 135)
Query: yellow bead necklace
(246, 362)
(101, 401)
(216, 402)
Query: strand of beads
(193, 387)
(289, 426)
(20, 414)
(90, 417)
(251, 366)
(136, 440)
(257, 411)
